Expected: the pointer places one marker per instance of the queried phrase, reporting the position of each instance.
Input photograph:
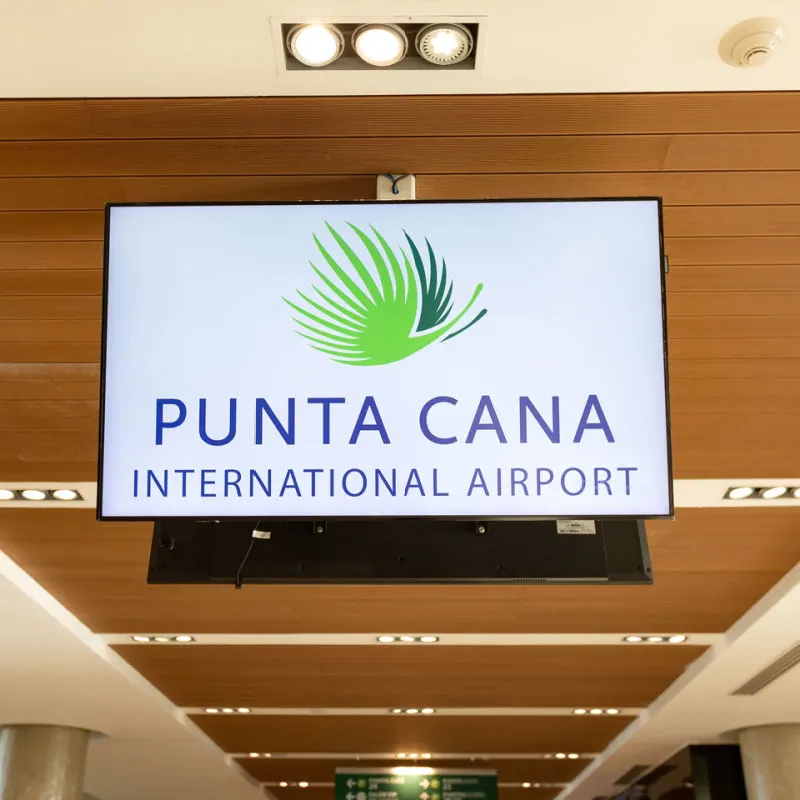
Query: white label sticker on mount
(579, 526)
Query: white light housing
(380, 45)
(303, 784)
(633, 639)
(561, 755)
(526, 785)
(573, 756)
(773, 493)
(227, 711)
(243, 710)
(412, 711)
(444, 44)
(65, 494)
(184, 638)
(212, 711)
(283, 784)
(386, 639)
(428, 710)
(596, 712)
(741, 492)
(34, 494)
(796, 494)
(579, 711)
(315, 45)
(161, 639)
(612, 711)
(397, 711)
(678, 638)
(429, 639)
(141, 639)
(7, 494)
(654, 639)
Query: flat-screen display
(475, 360)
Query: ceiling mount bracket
(396, 187)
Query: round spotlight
(303, 784)
(380, 45)
(283, 784)
(254, 755)
(426, 755)
(212, 711)
(65, 494)
(315, 45)
(413, 755)
(526, 785)
(243, 710)
(386, 639)
(227, 711)
(444, 45)
(34, 494)
(579, 711)
(796, 494)
(561, 755)
(141, 639)
(401, 755)
(573, 756)
(741, 493)
(7, 494)
(162, 639)
(428, 710)
(773, 493)
(412, 711)
(397, 711)
(429, 639)
(183, 638)
(655, 639)
(612, 712)
(633, 639)
(677, 639)
(407, 639)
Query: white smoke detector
(753, 42)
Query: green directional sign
(382, 784)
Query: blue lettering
(231, 482)
(313, 473)
(206, 482)
(290, 482)
(152, 479)
(326, 403)
(515, 481)
(255, 478)
(598, 481)
(564, 481)
(136, 483)
(539, 482)
(183, 473)
(162, 424)
(370, 406)
(627, 471)
(361, 475)
(287, 433)
(436, 492)
(414, 482)
(231, 424)
(380, 478)
(485, 404)
(477, 482)
(553, 431)
(423, 420)
(593, 404)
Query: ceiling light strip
(420, 711)
(371, 639)
(330, 784)
(383, 756)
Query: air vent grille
(769, 674)
(631, 775)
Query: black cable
(395, 181)
(238, 583)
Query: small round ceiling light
(428, 710)
(741, 493)
(141, 639)
(678, 638)
(315, 45)
(752, 43)
(444, 45)
(773, 493)
(380, 45)
(796, 494)
(184, 638)
(580, 711)
(34, 494)
(7, 494)
(429, 639)
(633, 639)
(386, 639)
(526, 785)
(65, 494)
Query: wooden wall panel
(710, 566)
(508, 770)
(440, 677)
(435, 734)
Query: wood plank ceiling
(726, 165)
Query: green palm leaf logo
(365, 316)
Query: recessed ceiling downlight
(774, 492)
(380, 45)
(34, 494)
(315, 45)
(444, 44)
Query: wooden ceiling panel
(539, 770)
(436, 734)
(710, 566)
(439, 677)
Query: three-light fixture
(763, 493)
(412, 711)
(39, 495)
(380, 44)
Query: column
(771, 760)
(42, 762)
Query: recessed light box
(379, 45)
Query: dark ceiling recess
(350, 61)
(631, 775)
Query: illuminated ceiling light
(426, 755)
(561, 755)
(243, 710)
(283, 784)
(428, 710)
(315, 45)
(526, 785)
(401, 755)
(413, 755)
(397, 711)
(212, 711)
(162, 639)
(65, 494)
(183, 638)
(411, 771)
(386, 639)
(633, 639)
(579, 711)
(796, 494)
(380, 45)
(773, 493)
(741, 492)
(7, 494)
(407, 639)
(596, 712)
(254, 755)
(678, 638)
(612, 711)
(412, 711)
(444, 45)
(429, 639)
(227, 711)
(573, 756)
(34, 494)
(654, 639)
(142, 639)
(303, 784)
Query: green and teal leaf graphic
(381, 312)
